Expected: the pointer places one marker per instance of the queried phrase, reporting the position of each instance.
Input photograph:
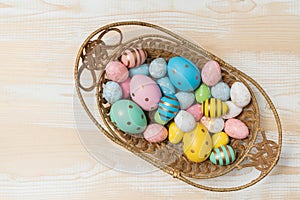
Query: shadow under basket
(256, 155)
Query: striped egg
(133, 57)
(223, 155)
(214, 108)
(168, 107)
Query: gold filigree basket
(256, 155)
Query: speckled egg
(175, 134)
(202, 93)
(166, 86)
(235, 128)
(168, 107)
(145, 92)
(128, 116)
(223, 155)
(183, 74)
(214, 108)
(185, 121)
(125, 85)
(195, 110)
(219, 139)
(221, 91)
(240, 94)
(158, 119)
(155, 133)
(197, 144)
(116, 71)
(233, 110)
(211, 73)
(186, 99)
(158, 68)
(112, 92)
(213, 125)
(133, 57)
(142, 69)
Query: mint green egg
(223, 155)
(202, 93)
(158, 119)
(128, 116)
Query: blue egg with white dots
(168, 107)
(220, 91)
(183, 74)
(112, 92)
(166, 86)
(142, 69)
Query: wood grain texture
(41, 156)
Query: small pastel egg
(175, 134)
(158, 119)
(233, 110)
(128, 116)
(202, 93)
(235, 128)
(214, 108)
(155, 133)
(195, 110)
(223, 155)
(219, 139)
(125, 85)
(197, 144)
(240, 94)
(186, 99)
(158, 68)
(166, 86)
(183, 74)
(142, 69)
(221, 91)
(133, 57)
(116, 71)
(211, 73)
(168, 107)
(112, 92)
(145, 92)
(213, 125)
(185, 121)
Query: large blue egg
(183, 74)
(168, 107)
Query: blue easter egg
(166, 86)
(158, 68)
(142, 69)
(112, 92)
(183, 74)
(168, 107)
(221, 91)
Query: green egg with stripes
(223, 155)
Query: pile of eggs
(188, 105)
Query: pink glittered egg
(236, 129)
(155, 133)
(211, 73)
(125, 85)
(145, 92)
(195, 110)
(116, 71)
(133, 57)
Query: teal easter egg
(142, 69)
(166, 86)
(223, 155)
(183, 74)
(128, 116)
(168, 107)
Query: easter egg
(195, 110)
(175, 134)
(185, 121)
(128, 116)
(214, 108)
(219, 139)
(166, 86)
(116, 71)
(211, 73)
(240, 94)
(158, 68)
(133, 57)
(142, 69)
(158, 119)
(112, 92)
(197, 144)
(155, 133)
(183, 74)
(223, 155)
(168, 107)
(202, 93)
(145, 92)
(125, 85)
(235, 128)
(186, 99)
(233, 110)
(221, 91)
(213, 125)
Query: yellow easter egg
(220, 139)
(197, 144)
(175, 134)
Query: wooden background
(41, 156)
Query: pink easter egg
(125, 85)
(211, 73)
(155, 133)
(133, 57)
(116, 71)
(145, 92)
(236, 129)
(195, 110)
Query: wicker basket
(108, 42)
